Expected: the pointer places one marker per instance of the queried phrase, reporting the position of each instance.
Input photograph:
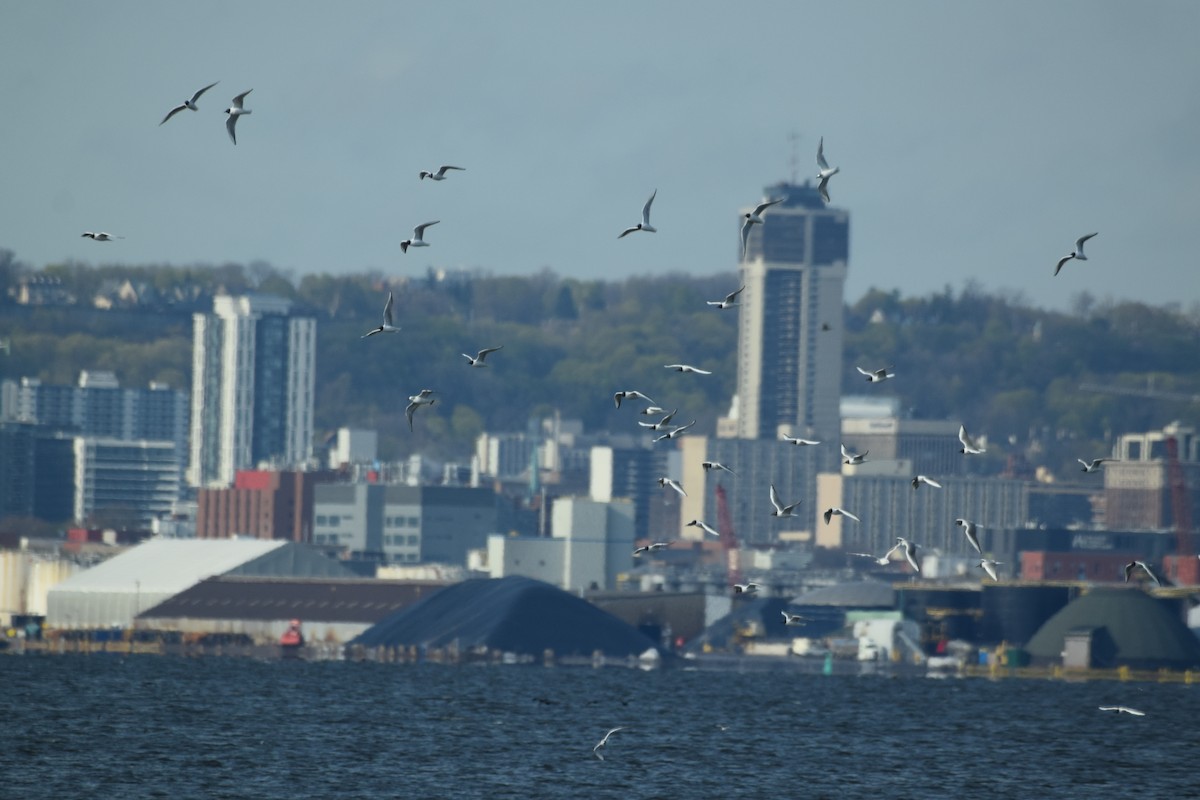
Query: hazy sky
(976, 140)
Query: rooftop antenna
(794, 159)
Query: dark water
(113, 727)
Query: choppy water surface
(114, 727)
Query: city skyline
(1008, 132)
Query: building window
(334, 520)
(412, 540)
(321, 519)
(413, 522)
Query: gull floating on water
(917, 481)
(793, 619)
(440, 175)
(780, 509)
(234, 111)
(644, 225)
(668, 483)
(853, 458)
(687, 368)
(989, 566)
(1076, 254)
(661, 424)
(649, 548)
(882, 560)
(746, 588)
(1132, 565)
(754, 218)
(189, 104)
(604, 741)
(878, 375)
(970, 529)
(423, 398)
(99, 236)
(711, 465)
(387, 326)
(730, 299)
(1124, 710)
(969, 447)
(830, 513)
(1094, 464)
(632, 394)
(477, 360)
(825, 173)
(910, 552)
(671, 434)
(418, 237)
(704, 526)
(796, 440)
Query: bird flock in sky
(664, 426)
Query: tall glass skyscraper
(253, 378)
(790, 320)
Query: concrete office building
(137, 481)
(404, 524)
(253, 377)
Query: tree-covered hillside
(1011, 372)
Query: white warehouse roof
(114, 592)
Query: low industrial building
(331, 610)
(113, 593)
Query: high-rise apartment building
(790, 320)
(97, 406)
(253, 377)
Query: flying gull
(830, 513)
(477, 360)
(386, 326)
(423, 398)
(1132, 565)
(671, 434)
(418, 237)
(971, 531)
(633, 394)
(234, 111)
(878, 375)
(668, 483)
(780, 509)
(440, 175)
(604, 741)
(687, 368)
(189, 104)
(798, 441)
(853, 458)
(969, 447)
(989, 566)
(754, 218)
(730, 299)
(917, 481)
(644, 225)
(1076, 254)
(704, 526)
(825, 172)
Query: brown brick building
(262, 504)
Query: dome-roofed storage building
(1116, 628)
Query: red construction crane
(728, 538)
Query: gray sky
(976, 140)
